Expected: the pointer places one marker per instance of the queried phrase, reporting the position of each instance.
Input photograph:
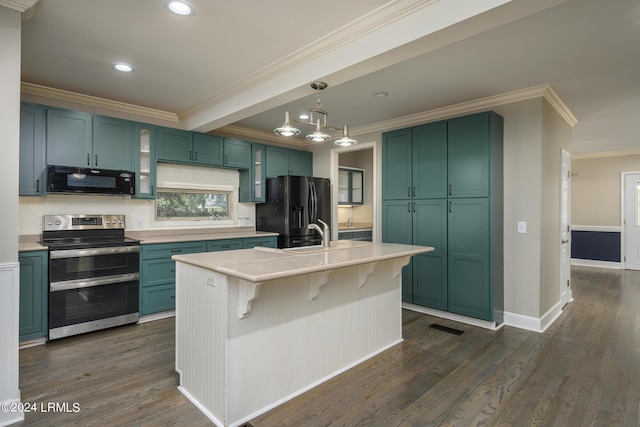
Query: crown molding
(19, 5)
(542, 91)
(600, 154)
(361, 27)
(93, 101)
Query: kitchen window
(181, 204)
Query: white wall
(10, 24)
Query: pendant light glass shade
(346, 140)
(287, 129)
(318, 135)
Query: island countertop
(261, 263)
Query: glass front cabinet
(145, 148)
(350, 186)
(252, 181)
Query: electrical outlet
(139, 223)
(211, 280)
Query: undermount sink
(303, 250)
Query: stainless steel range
(93, 273)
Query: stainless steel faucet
(325, 232)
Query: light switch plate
(522, 227)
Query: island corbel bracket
(316, 281)
(398, 263)
(248, 292)
(364, 271)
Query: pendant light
(317, 118)
(346, 140)
(287, 129)
(318, 135)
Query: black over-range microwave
(65, 179)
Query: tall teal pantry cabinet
(442, 186)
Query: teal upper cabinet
(283, 161)
(237, 154)
(397, 159)
(112, 143)
(207, 149)
(175, 145)
(82, 140)
(469, 156)
(145, 137)
(300, 163)
(179, 146)
(350, 186)
(429, 169)
(33, 151)
(69, 138)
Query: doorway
(565, 229)
(361, 157)
(631, 219)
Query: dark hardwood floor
(583, 371)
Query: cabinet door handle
(88, 159)
(409, 191)
(37, 186)
(449, 189)
(190, 155)
(195, 156)
(409, 207)
(414, 191)
(96, 160)
(152, 189)
(450, 207)
(414, 207)
(226, 159)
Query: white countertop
(260, 264)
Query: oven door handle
(88, 283)
(78, 253)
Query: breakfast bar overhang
(257, 327)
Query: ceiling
(236, 66)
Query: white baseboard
(535, 324)
(10, 417)
(595, 263)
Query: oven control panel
(82, 222)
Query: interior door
(565, 229)
(632, 221)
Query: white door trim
(623, 213)
(566, 294)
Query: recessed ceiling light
(121, 66)
(303, 116)
(179, 7)
(381, 94)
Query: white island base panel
(243, 348)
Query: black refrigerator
(292, 203)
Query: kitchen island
(257, 327)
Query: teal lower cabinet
(158, 270)
(158, 274)
(224, 245)
(469, 261)
(34, 268)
